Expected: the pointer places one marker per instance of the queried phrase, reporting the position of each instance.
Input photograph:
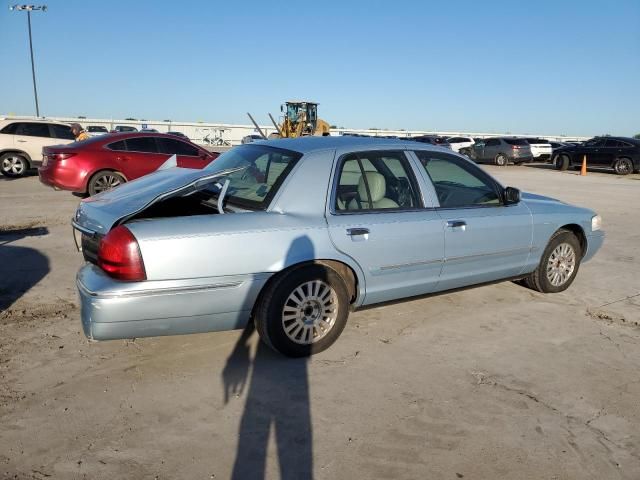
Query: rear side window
(142, 144)
(33, 130)
(10, 129)
(457, 182)
(376, 181)
(62, 131)
(119, 146)
(96, 129)
(171, 146)
(516, 141)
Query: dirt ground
(486, 383)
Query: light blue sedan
(294, 234)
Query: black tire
(623, 166)
(501, 160)
(562, 162)
(269, 316)
(539, 278)
(103, 181)
(14, 165)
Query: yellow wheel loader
(299, 119)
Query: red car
(104, 162)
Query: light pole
(29, 9)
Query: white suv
(540, 149)
(458, 143)
(21, 143)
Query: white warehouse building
(212, 134)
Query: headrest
(377, 187)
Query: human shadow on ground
(277, 398)
(20, 267)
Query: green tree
(637, 135)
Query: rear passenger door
(378, 216)
(484, 239)
(491, 149)
(31, 137)
(188, 156)
(140, 158)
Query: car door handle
(461, 224)
(357, 231)
(21, 141)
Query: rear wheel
(103, 181)
(303, 312)
(501, 160)
(558, 266)
(623, 166)
(561, 162)
(13, 165)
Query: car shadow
(277, 399)
(32, 172)
(20, 267)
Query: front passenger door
(485, 240)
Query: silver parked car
(501, 150)
(296, 233)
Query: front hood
(101, 212)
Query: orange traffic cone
(583, 170)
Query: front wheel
(13, 165)
(558, 266)
(303, 312)
(623, 166)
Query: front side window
(458, 183)
(142, 144)
(33, 130)
(376, 181)
(492, 142)
(261, 171)
(595, 142)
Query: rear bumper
(62, 178)
(111, 309)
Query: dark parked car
(178, 134)
(432, 139)
(123, 129)
(620, 153)
(501, 150)
(104, 162)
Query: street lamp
(29, 9)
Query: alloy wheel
(106, 182)
(13, 165)
(310, 312)
(561, 264)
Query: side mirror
(511, 196)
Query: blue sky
(548, 67)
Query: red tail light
(59, 156)
(515, 147)
(119, 255)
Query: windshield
(262, 171)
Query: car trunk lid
(98, 214)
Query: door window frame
(473, 168)
(409, 169)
